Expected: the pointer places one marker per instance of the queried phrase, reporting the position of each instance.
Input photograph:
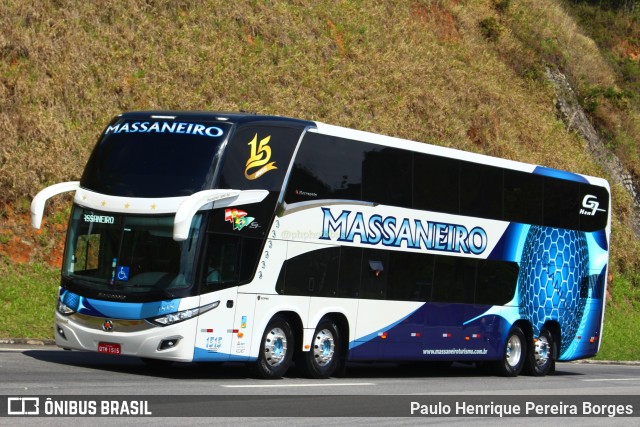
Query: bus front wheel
(325, 355)
(513, 357)
(276, 350)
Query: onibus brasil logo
(238, 218)
(260, 156)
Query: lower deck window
(348, 272)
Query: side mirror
(39, 201)
(219, 198)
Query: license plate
(108, 348)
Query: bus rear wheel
(513, 357)
(323, 359)
(541, 358)
(276, 350)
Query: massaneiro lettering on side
(165, 127)
(392, 231)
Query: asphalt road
(49, 371)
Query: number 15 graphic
(260, 156)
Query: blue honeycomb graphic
(553, 280)
(71, 300)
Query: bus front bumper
(126, 337)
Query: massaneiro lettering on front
(165, 127)
(103, 219)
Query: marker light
(181, 316)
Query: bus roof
(233, 117)
(241, 118)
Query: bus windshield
(132, 256)
(155, 158)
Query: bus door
(215, 327)
(219, 286)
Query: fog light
(61, 332)
(168, 343)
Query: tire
(514, 355)
(325, 355)
(541, 357)
(276, 350)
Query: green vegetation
(28, 293)
(465, 74)
(614, 26)
(620, 339)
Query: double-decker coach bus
(239, 237)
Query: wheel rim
(275, 347)
(542, 351)
(323, 347)
(514, 351)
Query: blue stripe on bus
(366, 338)
(118, 310)
(555, 173)
(509, 244)
(440, 327)
(204, 355)
(600, 237)
(467, 332)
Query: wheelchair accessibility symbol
(123, 274)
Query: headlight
(64, 309)
(181, 316)
(68, 303)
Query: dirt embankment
(22, 244)
(575, 118)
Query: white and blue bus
(214, 237)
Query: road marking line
(294, 385)
(614, 379)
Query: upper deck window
(155, 157)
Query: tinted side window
(313, 273)
(336, 168)
(523, 197)
(375, 274)
(435, 183)
(249, 259)
(229, 261)
(496, 284)
(561, 203)
(328, 272)
(348, 272)
(410, 276)
(326, 168)
(455, 280)
(480, 190)
(221, 262)
(349, 275)
(387, 176)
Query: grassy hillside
(467, 74)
